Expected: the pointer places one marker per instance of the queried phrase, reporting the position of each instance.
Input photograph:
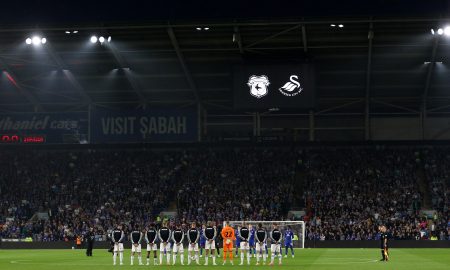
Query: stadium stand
(348, 190)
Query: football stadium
(225, 134)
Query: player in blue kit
(251, 241)
(202, 240)
(288, 243)
(238, 239)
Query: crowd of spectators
(56, 195)
(77, 190)
(237, 185)
(351, 191)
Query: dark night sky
(82, 11)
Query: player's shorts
(275, 248)
(193, 247)
(288, 244)
(251, 243)
(118, 247)
(260, 247)
(152, 247)
(210, 245)
(227, 247)
(178, 248)
(245, 245)
(203, 244)
(163, 247)
(136, 248)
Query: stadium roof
(376, 61)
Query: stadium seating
(347, 192)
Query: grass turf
(316, 259)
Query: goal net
(297, 227)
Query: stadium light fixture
(340, 25)
(206, 28)
(94, 39)
(332, 25)
(432, 31)
(75, 32)
(440, 31)
(101, 39)
(67, 32)
(447, 30)
(199, 29)
(35, 40)
(109, 39)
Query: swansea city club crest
(292, 87)
(258, 85)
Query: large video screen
(274, 86)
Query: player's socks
(182, 258)
(174, 258)
(206, 260)
(155, 261)
(168, 259)
(121, 257)
(114, 258)
(148, 261)
(189, 259)
(214, 260)
(132, 259)
(140, 259)
(242, 258)
(197, 259)
(264, 258)
(248, 257)
(160, 258)
(272, 259)
(279, 258)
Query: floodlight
(93, 39)
(447, 30)
(440, 31)
(36, 40)
(28, 41)
(101, 39)
(43, 40)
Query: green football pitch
(316, 259)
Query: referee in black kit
(384, 237)
(89, 238)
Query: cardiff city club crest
(258, 85)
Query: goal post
(298, 228)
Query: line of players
(171, 243)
